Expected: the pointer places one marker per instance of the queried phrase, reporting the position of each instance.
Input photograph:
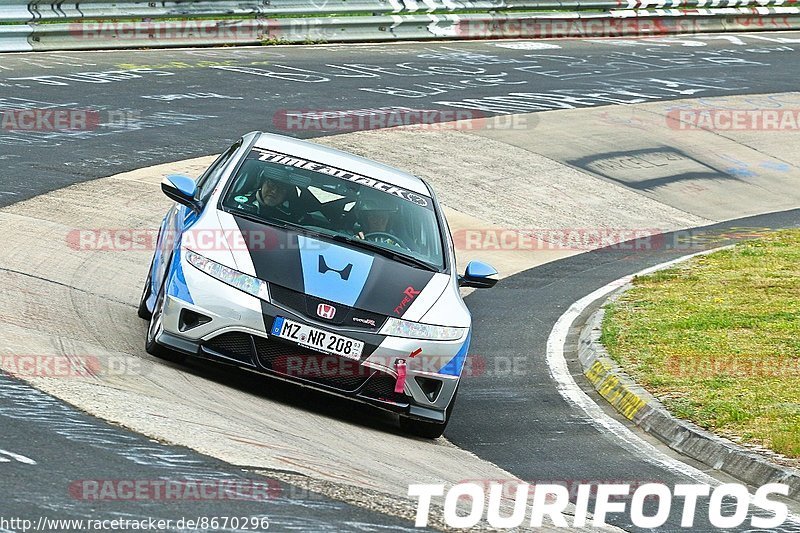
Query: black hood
(332, 272)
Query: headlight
(234, 278)
(395, 327)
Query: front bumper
(233, 328)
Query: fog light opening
(430, 387)
(190, 320)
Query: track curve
(533, 177)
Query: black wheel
(142, 311)
(428, 430)
(150, 344)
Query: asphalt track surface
(83, 469)
(156, 106)
(169, 105)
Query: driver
(271, 199)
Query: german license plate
(317, 339)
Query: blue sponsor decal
(277, 326)
(334, 273)
(177, 281)
(456, 364)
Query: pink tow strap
(400, 384)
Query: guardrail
(47, 25)
(48, 11)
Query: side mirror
(478, 275)
(181, 189)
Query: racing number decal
(340, 345)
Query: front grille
(381, 387)
(235, 344)
(307, 306)
(288, 298)
(298, 362)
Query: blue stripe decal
(154, 281)
(190, 216)
(456, 364)
(345, 275)
(177, 282)
(277, 326)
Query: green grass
(717, 339)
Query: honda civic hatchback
(319, 267)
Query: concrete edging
(644, 410)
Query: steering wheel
(385, 237)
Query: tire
(428, 430)
(142, 311)
(150, 344)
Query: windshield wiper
(258, 220)
(395, 256)
(278, 223)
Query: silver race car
(315, 266)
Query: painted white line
(17, 457)
(528, 46)
(571, 392)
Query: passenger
(377, 220)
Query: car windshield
(285, 190)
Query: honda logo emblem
(326, 311)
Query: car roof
(343, 160)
